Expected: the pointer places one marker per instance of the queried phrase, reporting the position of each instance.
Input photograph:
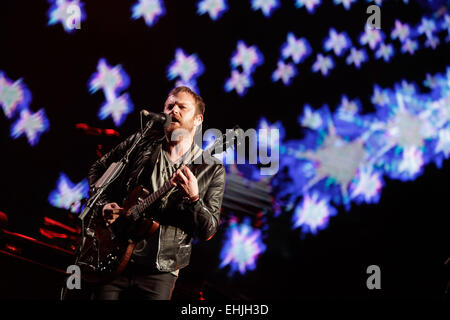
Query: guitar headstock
(230, 139)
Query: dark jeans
(137, 283)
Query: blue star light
(30, 124)
(298, 49)
(337, 42)
(266, 6)
(68, 195)
(214, 8)
(323, 64)
(14, 96)
(150, 10)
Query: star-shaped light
(410, 46)
(310, 5)
(30, 124)
(347, 109)
(214, 8)
(380, 97)
(411, 163)
(14, 96)
(186, 67)
(111, 80)
(117, 108)
(248, 57)
(240, 82)
(69, 13)
(401, 31)
(68, 195)
(313, 214)
(356, 57)
(310, 118)
(367, 186)
(297, 49)
(346, 3)
(443, 143)
(385, 51)
(337, 42)
(266, 6)
(285, 71)
(371, 37)
(150, 10)
(427, 27)
(432, 42)
(243, 245)
(323, 64)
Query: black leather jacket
(179, 219)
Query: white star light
(368, 185)
(443, 144)
(266, 6)
(240, 82)
(67, 12)
(323, 64)
(285, 72)
(246, 57)
(68, 195)
(150, 10)
(410, 46)
(310, 119)
(427, 27)
(411, 162)
(12, 96)
(310, 5)
(185, 66)
(346, 3)
(117, 108)
(385, 51)
(215, 8)
(30, 124)
(356, 57)
(337, 42)
(401, 31)
(297, 49)
(379, 97)
(371, 37)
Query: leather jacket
(180, 220)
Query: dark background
(406, 233)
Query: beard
(179, 128)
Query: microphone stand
(113, 172)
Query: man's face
(181, 107)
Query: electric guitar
(107, 248)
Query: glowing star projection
(366, 186)
(240, 82)
(68, 195)
(410, 46)
(432, 42)
(401, 31)
(427, 27)
(69, 13)
(111, 80)
(118, 109)
(242, 247)
(312, 214)
(266, 6)
(186, 67)
(371, 37)
(284, 72)
(297, 49)
(337, 42)
(385, 51)
(380, 97)
(150, 10)
(214, 8)
(30, 124)
(323, 64)
(14, 96)
(310, 119)
(346, 3)
(443, 144)
(356, 57)
(310, 5)
(247, 57)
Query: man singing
(191, 209)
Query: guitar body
(108, 249)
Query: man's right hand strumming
(111, 211)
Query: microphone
(163, 118)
